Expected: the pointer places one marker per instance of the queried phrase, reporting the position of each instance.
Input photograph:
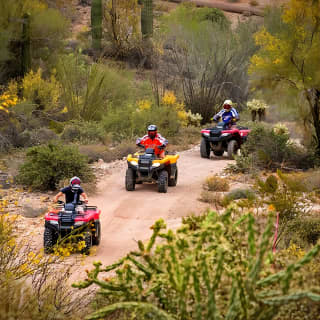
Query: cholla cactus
(281, 129)
(194, 119)
(211, 268)
(257, 107)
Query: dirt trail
(127, 216)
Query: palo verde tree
(289, 56)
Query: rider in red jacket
(153, 140)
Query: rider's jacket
(155, 143)
(233, 112)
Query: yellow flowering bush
(41, 91)
(144, 105)
(9, 98)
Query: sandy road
(127, 216)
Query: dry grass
(215, 183)
(213, 198)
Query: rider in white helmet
(72, 190)
(227, 109)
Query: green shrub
(36, 137)
(93, 152)
(84, 132)
(268, 148)
(45, 166)
(303, 231)
(124, 123)
(212, 268)
(237, 194)
(215, 183)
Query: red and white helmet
(227, 104)
(75, 182)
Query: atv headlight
(134, 162)
(54, 222)
(79, 223)
(206, 134)
(225, 134)
(156, 164)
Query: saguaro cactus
(26, 45)
(96, 24)
(147, 18)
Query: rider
(227, 110)
(70, 191)
(153, 140)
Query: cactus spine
(26, 45)
(96, 24)
(147, 18)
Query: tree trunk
(96, 25)
(261, 114)
(313, 97)
(26, 45)
(253, 115)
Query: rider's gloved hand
(162, 147)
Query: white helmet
(227, 103)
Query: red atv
(75, 219)
(221, 138)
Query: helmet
(75, 183)
(152, 131)
(227, 104)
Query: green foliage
(96, 24)
(302, 231)
(89, 90)
(147, 18)
(237, 194)
(286, 196)
(121, 22)
(36, 137)
(46, 165)
(211, 268)
(287, 57)
(207, 56)
(124, 123)
(46, 30)
(265, 148)
(84, 132)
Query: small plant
(215, 183)
(213, 198)
(46, 165)
(237, 194)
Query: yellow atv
(146, 167)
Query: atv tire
(130, 179)
(173, 182)
(218, 153)
(163, 181)
(49, 239)
(96, 235)
(232, 149)
(88, 242)
(204, 149)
